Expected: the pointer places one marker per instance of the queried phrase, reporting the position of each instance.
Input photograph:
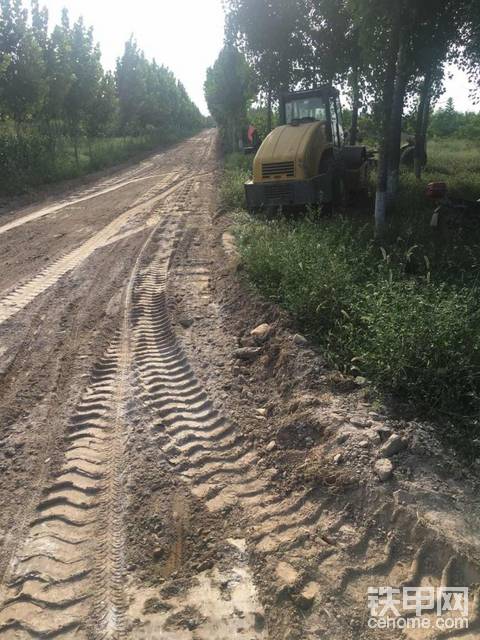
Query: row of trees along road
(386, 55)
(53, 86)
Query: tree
(435, 40)
(469, 44)
(131, 85)
(86, 71)
(59, 78)
(336, 57)
(53, 81)
(101, 113)
(392, 39)
(40, 24)
(229, 88)
(22, 83)
(150, 96)
(446, 121)
(271, 35)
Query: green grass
(237, 171)
(403, 313)
(33, 161)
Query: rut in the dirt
(48, 592)
(67, 579)
(21, 296)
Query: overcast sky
(184, 35)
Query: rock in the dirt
(271, 445)
(342, 437)
(247, 353)
(362, 423)
(261, 333)
(337, 458)
(373, 436)
(259, 621)
(383, 431)
(392, 446)
(286, 575)
(360, 381)
(384, 469)
(185, 321)
(307, 597)
(262, 412)
(300, 340)
(363, 444)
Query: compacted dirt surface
(175, 461)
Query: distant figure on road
(252, 137)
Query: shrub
(35, 159)
(413, 335)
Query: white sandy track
(21, 296)
(45, 211)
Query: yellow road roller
(305, 160)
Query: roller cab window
(305, 110)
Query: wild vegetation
(403, 313)
(62, 114)
(444, 122)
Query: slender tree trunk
(387, 99)
(18, 129)
(422, 125)
(75, 150)
(52, 137)
(233, 135)
(426, 122)
(381, 194)
(269, 108)
(395, 138)
(355, 106)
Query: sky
(184, 35)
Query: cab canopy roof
(325, 91)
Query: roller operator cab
(304, 161)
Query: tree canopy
(53, 87)
(229, 88)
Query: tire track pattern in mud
(20, 297)
(48, 590)
(204, 447)
(67, 578)
(310, 529)
(98, 190)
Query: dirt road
(163, 474)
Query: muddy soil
(168, 474)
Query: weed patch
(35, 159)
(405, 314)
(237, 171)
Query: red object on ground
(437, 189)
